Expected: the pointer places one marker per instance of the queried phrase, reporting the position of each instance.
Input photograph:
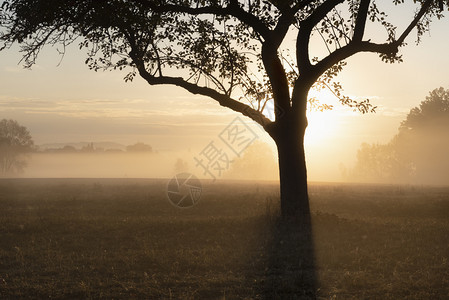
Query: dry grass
(122, 239)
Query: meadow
(122, 239)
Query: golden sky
(66, 102)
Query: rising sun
(323, 125)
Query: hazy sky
(69, 103)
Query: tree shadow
(290, 266)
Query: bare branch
(424, 8)
(305, 30)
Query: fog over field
(98, 165)
(252, 165)
(375, 163)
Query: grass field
(122, 239)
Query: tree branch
(349, 50)
(305, 30)
(232, 9)
(414, 22)
(356, 46)
(361, 20)
(222, 99)
(285, 21)
(278, 79)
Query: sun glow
(323, 125)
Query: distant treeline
(91, 148)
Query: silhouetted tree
(379, 163)
(88, 148)
(15, 142)
(139, 147)
(228, 50)
(418, 153)
(423, 139)
(432, 114)
(181, 166)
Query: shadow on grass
(290, 267)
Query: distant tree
(228, 50)
(423, 139)
(418, 153)
(139, 147)
(88, 148)
(379, 163)
(431, 115)
(181, 166)
(15, 142)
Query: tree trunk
(292, 170)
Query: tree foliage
(418, 153)
(432, 114)
(228, 50)
(15, 142)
